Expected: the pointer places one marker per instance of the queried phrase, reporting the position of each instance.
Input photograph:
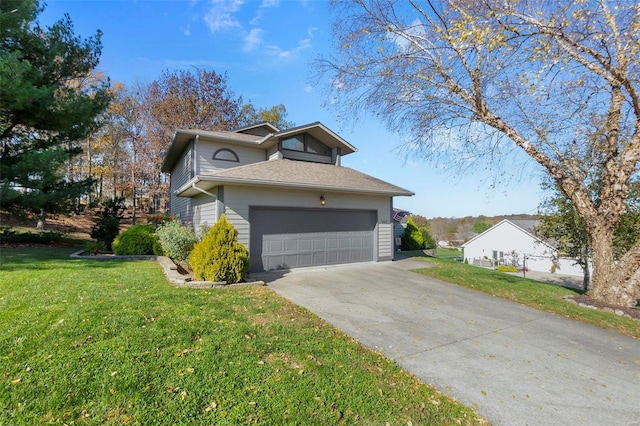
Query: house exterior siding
(206, 164)
(238, 199)
(385, 241)
(180, 175)
(204, 210)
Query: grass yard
(93, 342)
(539, 295)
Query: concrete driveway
(513, 364)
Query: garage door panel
(331, 258)
(332, 242)
(274, 246)
(305, 244)
(285, 238)
(290, 245)
(320, 244)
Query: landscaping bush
(219, 256)
(510, 268)
(137, 240)
(159, 219)
(428, 241)
(157, 248)
(107, 225)
(176, 239)
(411, 238)
(11, 236)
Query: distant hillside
(460, 230)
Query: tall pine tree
(47, 106)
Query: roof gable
(507, 222)
(259, 129)
(182, 137)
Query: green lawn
(539, 295)
(91, 342)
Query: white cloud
(220, 15)
(311, 30)
(186, 31)
(253, 39)
(270, 3)
(308, 88)
(285, 54)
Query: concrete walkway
(513, 364)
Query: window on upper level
(225, 154)
(295, 143)
(305, 143)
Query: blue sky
(266, 48)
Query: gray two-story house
(285, 192)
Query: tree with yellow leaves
(468, 80)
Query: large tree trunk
(586, 279)
(612, 281)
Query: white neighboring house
(508, 243)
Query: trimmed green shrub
(107, 225)
(176, 239)
(136, 240)
(157, 248)
(11, 236)
(219, 256)
(510, 268)
(411, 238)
(428, 241)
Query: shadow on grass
(13, 259)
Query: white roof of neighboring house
(518, 228)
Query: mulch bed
(632, 312)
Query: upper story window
(225, 154)
(305, 143)
(295, 143)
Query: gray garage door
(295, 238)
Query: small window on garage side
(225, 154)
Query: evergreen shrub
(176, 239)
(107, 225)
(219, 256)
(411, 238)
(428, 242)
(137, 240)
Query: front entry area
(284, 238)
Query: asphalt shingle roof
(282, 172)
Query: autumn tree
(44, 113)
(126, 131)
(197, 99)
(464, 79)
(561, 223)
(276, 115)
